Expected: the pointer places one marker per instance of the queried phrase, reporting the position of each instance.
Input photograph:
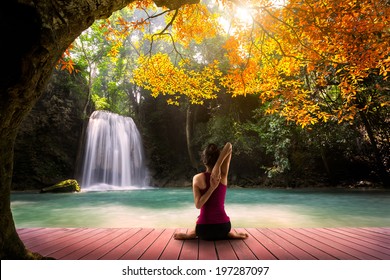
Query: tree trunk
(325, 162)
(37, 33)
(384, 175)
(14, 246)
(189, 132)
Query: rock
(70, 185)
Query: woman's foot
(184, 236)
(237, 235)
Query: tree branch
(174, 4)
(170, 23)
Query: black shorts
(213, 231)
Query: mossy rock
(70, 185)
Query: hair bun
(212, 148)
(210, 155)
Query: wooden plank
(97, 241)
(242, 251)
(343, 245)
(294, 250)
(130, 241)
(322, 244)
(154, 252)
(139, 249)
(22, 231)
(374, 237)
(289, 236)
(365, 238)
(42, 235)
(173, 248)
(225, 250)
(120, 236)
(190, 250)
(207, 250)
(68, 238)
(359, 244)
(383, 232)
(241, 248)
(28, 233)
(279, 252)
(79, 244)
(258, 248)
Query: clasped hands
(215, 178)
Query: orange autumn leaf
(307, 59)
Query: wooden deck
(158, 244)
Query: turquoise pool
(173, 207)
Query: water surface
(170, 207)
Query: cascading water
(113, 156)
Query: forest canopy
(312, 64)
(310, 61)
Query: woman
(209, 190)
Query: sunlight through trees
(308, 60)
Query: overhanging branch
(174, 4)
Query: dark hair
(210, 155)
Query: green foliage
(100, 103)
(275, 137)
(48, 140)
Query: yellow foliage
(296, 49)
(161, 77)
(142, 4)
(299, 56)
(193, 22)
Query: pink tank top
(213, 211)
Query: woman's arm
(218, 174)
(221, 168)
(200, 199)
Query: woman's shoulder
(199, 176)
(199, 180)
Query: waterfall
(113, 156)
